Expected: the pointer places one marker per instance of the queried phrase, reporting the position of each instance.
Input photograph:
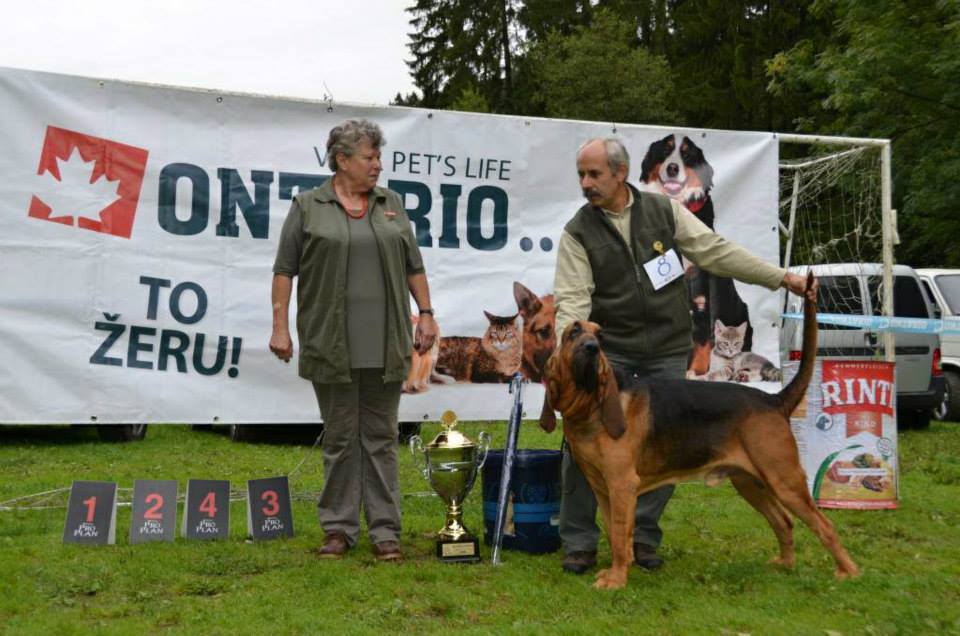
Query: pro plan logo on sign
(98, 182)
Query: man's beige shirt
(573, 284)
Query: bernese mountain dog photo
(677, 167)
(679, 170)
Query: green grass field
(716, 580)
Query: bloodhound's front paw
(783, 562)
(610, 579)
(844, 573)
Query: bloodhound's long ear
(610, 409)
(548, 419)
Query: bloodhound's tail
(791, 395)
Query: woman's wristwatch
(428, 310)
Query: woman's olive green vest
(321, 289)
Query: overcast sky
(278, 47)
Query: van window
(926, 288)
(908, 300)
(839, 295)
(949, 285)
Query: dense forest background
(864, 68)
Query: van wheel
(949, 409)
(913, 420)
(121, 432)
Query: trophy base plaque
(466, 549)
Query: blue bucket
(535, 494)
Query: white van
(856, 289)
(943, 286)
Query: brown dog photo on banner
(633, 438)
(539, 315)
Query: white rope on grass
(307, 453)
(38, 501)
(42, 497)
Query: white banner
(138, 228)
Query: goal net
(831, 214)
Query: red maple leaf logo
(115, 162)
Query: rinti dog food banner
(847, 434)
(139, 225)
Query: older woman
(351, 244)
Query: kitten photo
(728, 360)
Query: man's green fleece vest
(637, 322)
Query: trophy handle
(484, 447)
(419, 456)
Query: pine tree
(460, 46)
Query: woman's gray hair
(347, 137)
(617, 154)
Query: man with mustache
(618, 266)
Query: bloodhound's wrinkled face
(586, 359)
(591, 374)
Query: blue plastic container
(535, 494)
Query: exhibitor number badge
(664, 268)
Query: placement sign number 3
(273, 501)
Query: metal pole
(509, 452)
(886, 198)
(793, 218)
(792, 224)
(813, 162)
(827, 140)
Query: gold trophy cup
(451, 463)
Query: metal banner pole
(509, 452)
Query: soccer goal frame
(888, 219)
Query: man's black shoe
(646, 556)
(579, 562)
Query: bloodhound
(634, 438)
